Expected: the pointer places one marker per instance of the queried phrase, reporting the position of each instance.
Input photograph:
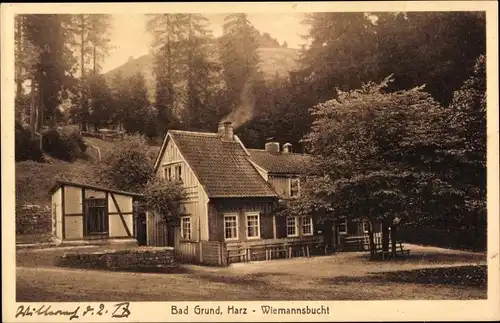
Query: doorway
(96, 223)
(141, 228)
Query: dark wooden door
(170, 235)
(96, 222)
(141, 229)
(328, 236)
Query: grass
(344, 276)
(34, 180)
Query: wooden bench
(400, 249)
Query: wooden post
(274, 226)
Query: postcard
(242, 162)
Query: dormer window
(294, 187)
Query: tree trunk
(393, 240)
(33, 111)
(94, 67)
(385, 235)
(82, 62)
(373, 250)
(40, 114)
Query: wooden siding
(218, 208)
(156, 230)
(212, 253)
(57, 213)
(197, 199)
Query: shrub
(66, 144)
(129, 166)
(164, 197)
(25, 147)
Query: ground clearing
(430, 273)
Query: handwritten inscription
(119, 310)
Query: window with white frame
(186, 228)
(292, 226)
(230, 227)
(342, 225)
(307, 225)
(253, 225)
(294, 187)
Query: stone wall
(33, 219)
(139, 258)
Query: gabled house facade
(228, 214)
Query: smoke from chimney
(244, 112)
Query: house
(228, 214)
(92, 214)
(282, 169)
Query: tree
(468, 120)
(348, 49)
(378, 153)
(164, 198)
(101, 104)
(240, 61)
(49, 36)
(200, 67)
(128, 166)
(168, 32)
(99, 26)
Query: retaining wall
(33, 219)
(126, 259)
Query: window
(178, 173)
(186, 228)
(307, 226)
(366, 226)
(167, 173)
(342, 226)
(231, 227)
(291, 226)
(294, 187)
(253, 226)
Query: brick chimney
(272, 146)
(226, 131)
(287, 148)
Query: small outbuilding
(86, 213)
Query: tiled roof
(222, 167)
(282, 163)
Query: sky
(129, 36)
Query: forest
(393, 105)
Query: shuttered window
(230, 227)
